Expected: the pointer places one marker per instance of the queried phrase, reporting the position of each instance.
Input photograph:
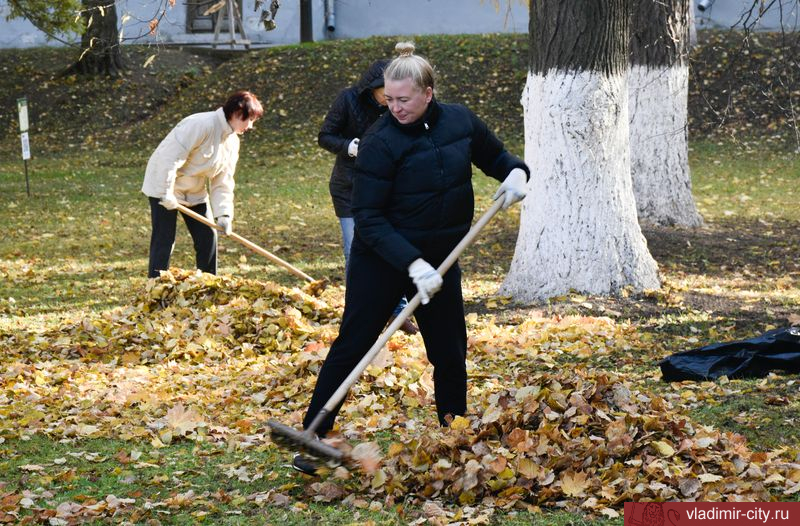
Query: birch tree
(658, 87)
(578, 227)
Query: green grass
(768, 422)
(219, 479)
(745, 180)
(214, 482)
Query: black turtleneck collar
(430, 117)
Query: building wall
(363, 18)
(353, 19)
(724, 14)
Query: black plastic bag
(777, 349)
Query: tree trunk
(306, 22)
(100, 47)
(578, 227)
(658, 86)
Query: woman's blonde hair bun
(404, 49)
(407, 65)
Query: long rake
(307, 440)
(314, 285)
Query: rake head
(290, 438)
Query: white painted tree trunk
(659, 145)
(578, 228)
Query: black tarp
(778, 349)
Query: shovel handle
(348, 382)
(249, 244)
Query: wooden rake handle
(249, 244)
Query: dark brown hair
(245, 103)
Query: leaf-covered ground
(560, 416)
(125, 401)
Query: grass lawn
(77, 250)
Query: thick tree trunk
(100, 48)
(578, 227)
(658, 86)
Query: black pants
(373, 289)
(162, 239)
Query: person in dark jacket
(413, 202)
(355, 109)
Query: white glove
(425, 277)
(225, 223)
(169, 202)
(513, 188)
(352, 148)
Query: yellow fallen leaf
(663, 448)
(459, 423)
(574, 484)
(379, 479)
(181, 420)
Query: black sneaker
(304, 465)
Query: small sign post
(22, 105)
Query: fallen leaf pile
(191, 315)
(578, 439)
(212, 358)
(192, 338)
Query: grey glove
(513, 188)
(169, 202)
(225, 223)
(425, 277)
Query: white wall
(364, 18)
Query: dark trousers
(162, 239)
(373, 289)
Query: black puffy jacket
(412, 194)
(351, 114)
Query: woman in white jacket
(203, 147)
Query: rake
(315, 286)
(306, 440)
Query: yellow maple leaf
(574, 484)
(181, 420)
(528, 468)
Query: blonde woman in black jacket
(412, 203)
